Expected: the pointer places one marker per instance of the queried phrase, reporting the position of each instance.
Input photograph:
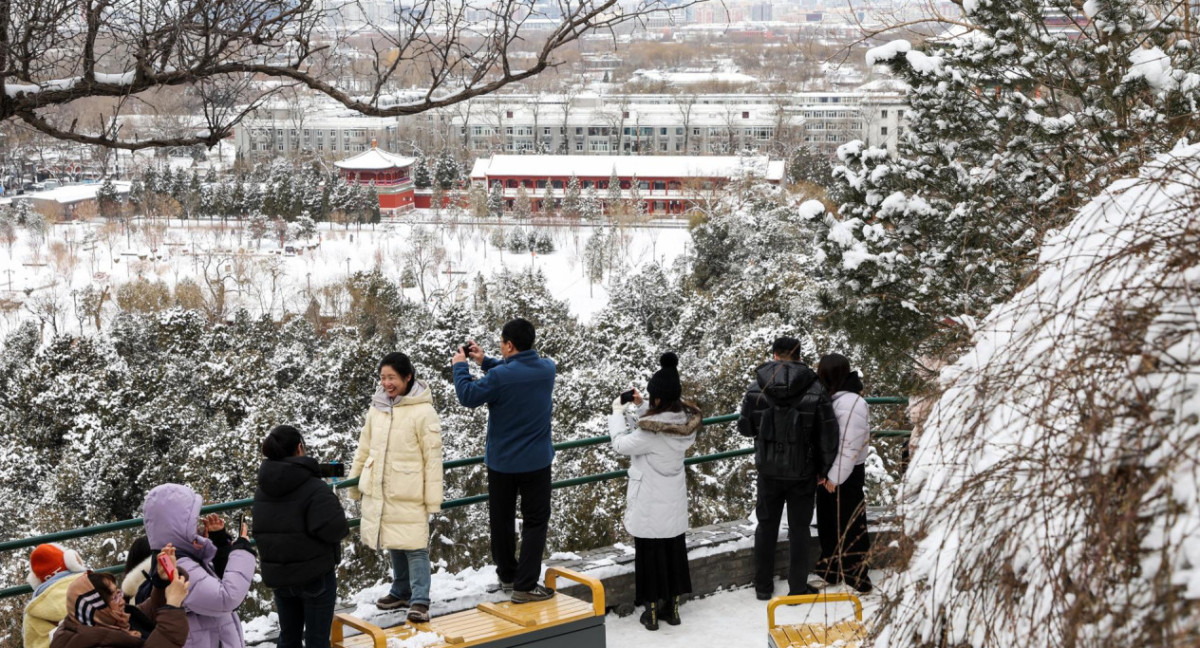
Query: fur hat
(50, 559)
(664, 384)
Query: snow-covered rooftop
(74, 193)
(656, 166)
(375, 159)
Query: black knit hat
(664, 384)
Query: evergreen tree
(107, 200)
(421, 178)
(614, 190)
(1008, 131)
(495, 201)
(522, 208)
(570, 202)
(478, 201)
(589, 207)
(446, 174)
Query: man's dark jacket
(791, 418)
(298, 522)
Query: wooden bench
(560, 622)
(800, 635)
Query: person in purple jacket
(171, 512)
(517, 390)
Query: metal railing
(58, 536)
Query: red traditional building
(390, 173)
(667, 184)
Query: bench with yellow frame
(801, 635)
(560, 621)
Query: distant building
(64, 203)
(389, 173)
(667, 184)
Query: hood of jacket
(171, 512)
(784, 381)
(278, 477)
(672, 423)
(418, 394)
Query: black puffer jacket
(792, 421)
(298, 522)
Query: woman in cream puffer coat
(399, 466)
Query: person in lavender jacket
(171, 512)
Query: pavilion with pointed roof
(389, 173)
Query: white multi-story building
(593, 124)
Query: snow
(185, 250)
(74, 193)
(643, 166)
(1089, 371)
(730, 618)
(1153, 65)
(375, 159)
(887, 51)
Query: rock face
(1055, 492)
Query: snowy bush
(1054, 496)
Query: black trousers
(772, 495)
(660, 568)
(842, 528)
(534, 489)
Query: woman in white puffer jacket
(841, 506)
(656, 434)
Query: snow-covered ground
(261, 277)
(727, 618)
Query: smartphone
(332, 469)
(167, 567)
(466, 347)
(241, 521)
(626, 397)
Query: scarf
(88, 599)
(381, 401)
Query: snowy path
(729, 618)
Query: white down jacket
(854, 434)
(399, 466)
(656, 501)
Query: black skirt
(661, 568)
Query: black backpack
(784, 447)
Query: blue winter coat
(517, 391)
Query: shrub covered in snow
(1054, 497)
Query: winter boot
(650, 616)
(670, 611)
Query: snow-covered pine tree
(589, 207)
(107, 201)
(495, 200)
(522, 207)
(447, 172)
(613, 192)
(571, 195)
(1011, 125)
(477, 200)
(421, 176)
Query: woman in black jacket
(299, 525)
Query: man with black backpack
(791, 418)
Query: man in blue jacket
(517, 390)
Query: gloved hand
(617, 406)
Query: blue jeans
(306, 611)
(410, 568)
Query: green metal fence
(219, 507)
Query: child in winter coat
(840, 502)
(98, 616)
(171, 512)
(51, 569)
(656, 434)
(399, 466)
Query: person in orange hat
(50, 568)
